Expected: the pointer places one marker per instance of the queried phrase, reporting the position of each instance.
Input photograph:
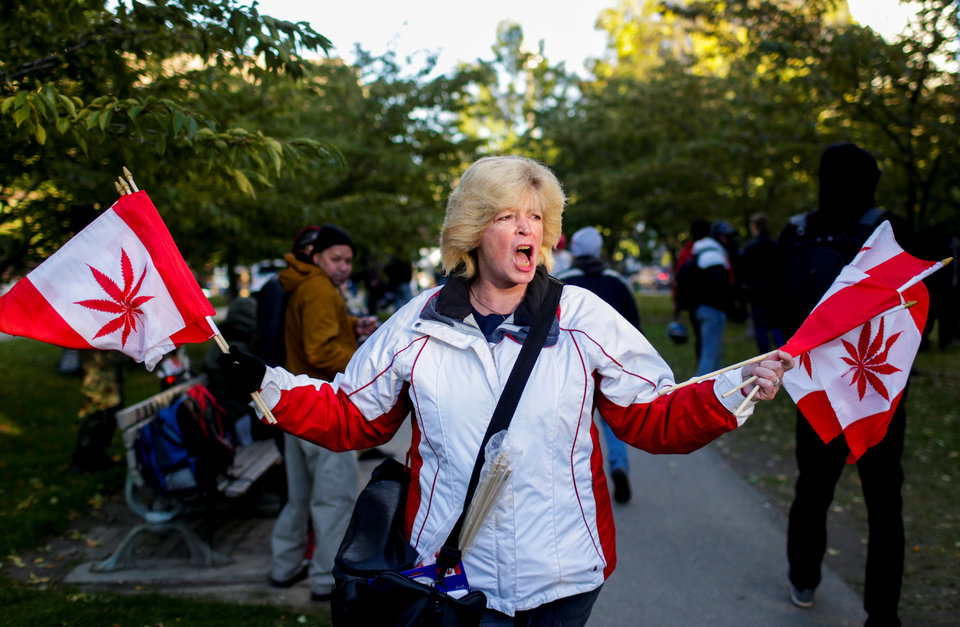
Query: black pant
(572, 611)
(881, 477)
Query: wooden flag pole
(129, 177)
(125, 185)
(749, 398)
(715, 373)
(745, 383)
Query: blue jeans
(616, 449)
(570, 611)
(711, 322)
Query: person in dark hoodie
(587, 270)
(758, 281)
(811, 251)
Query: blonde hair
(487, 187)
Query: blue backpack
(183, 451)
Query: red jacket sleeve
(329, 419)
(679, 422)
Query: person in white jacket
(548, 544)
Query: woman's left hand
(769, 373)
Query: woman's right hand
(244, 372)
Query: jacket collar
(296, 272)
(453, 300)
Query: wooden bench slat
(249, 464)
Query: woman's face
(509, 248)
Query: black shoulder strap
(503, 414)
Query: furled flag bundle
(119, 284)
(855, 349)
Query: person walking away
(320, 338)
(705, 290)
(443, 360)
(587, 270)
(758, 280)
(725, 235)
(812, 249)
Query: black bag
(369, 590)
(371, 551)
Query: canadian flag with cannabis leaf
(119, 284)
(855, 349)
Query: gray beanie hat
(586, 242)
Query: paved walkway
(696, 546)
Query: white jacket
(551, 533)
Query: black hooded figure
(848, 177)
(845, 218)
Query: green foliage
(91, 86)
(400, 145)
(512, 92)
(899, 99)
(721, 109)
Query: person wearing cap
(320, 337)
(587, 270)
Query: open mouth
(523, 256)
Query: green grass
(40, 495)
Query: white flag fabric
(856, 348)
(120, 284)
(852, 384)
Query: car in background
(653, 278)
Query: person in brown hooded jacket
(320, 337)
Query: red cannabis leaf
(867, 360)
(124, 302)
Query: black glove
(243, 372)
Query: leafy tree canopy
(89, 86)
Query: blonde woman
(548, 545)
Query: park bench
(164, 515)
